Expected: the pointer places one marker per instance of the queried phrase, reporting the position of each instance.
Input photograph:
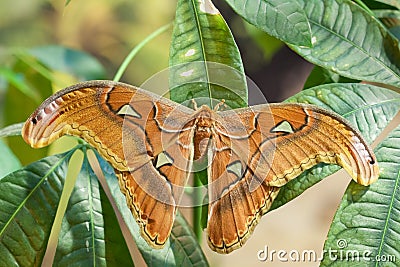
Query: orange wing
(259, 149)
(130, 128)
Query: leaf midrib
(396, 188)
(378, 60)
(91, 208)
(203, 54)
(365, 107)
(50, 171)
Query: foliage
(348, 42)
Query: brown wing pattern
(282, 140)
(129, 127)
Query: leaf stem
(137, 48)
(365, 7)
(11, 130)
(198, 207)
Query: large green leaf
(180, 250)
(367, 222)
(89, 234)
(367, 107)
(285, 20)
(185, 247)
(28, 203)
(349, 41)
(204, 59)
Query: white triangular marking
(128, 110)
(163, 159)
(284, 126)
(235, 168)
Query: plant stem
(136, 49)
(11, 130)
(198, 207)
(365, 7)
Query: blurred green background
(106, 29)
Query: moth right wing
(139, 133)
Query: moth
(155, 144)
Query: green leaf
(285, 20)
(367, 221)
(185, 248)
(366, 107)
(180, 250)
(319, 76)
(204, 59)
(28, 204)
(348, 41)
(89, 234)
(8, 161)
(67, 60)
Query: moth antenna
(217, 106)
(194, 104)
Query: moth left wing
(280, 141)
(257, 150)
(145, 137)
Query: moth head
(204, 118)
